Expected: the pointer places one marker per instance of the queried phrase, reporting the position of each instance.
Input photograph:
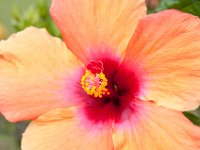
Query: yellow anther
(94, 84)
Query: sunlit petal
(156, 128)
(87, 25)
(60, 130)
(34, 70)
(166, 46)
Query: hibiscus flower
(121, 83)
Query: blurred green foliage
(8, 139)
(193, 117)
(189, 6)
(36, 13)
(6, 9)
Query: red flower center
(110, 88)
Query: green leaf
(193, 9)
(35, 15)
(189, 6)
(192, 117)
(8, 142)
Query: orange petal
(34, 69)
(156, 128)
(60, 130)
(167, 47)
(87, 25)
